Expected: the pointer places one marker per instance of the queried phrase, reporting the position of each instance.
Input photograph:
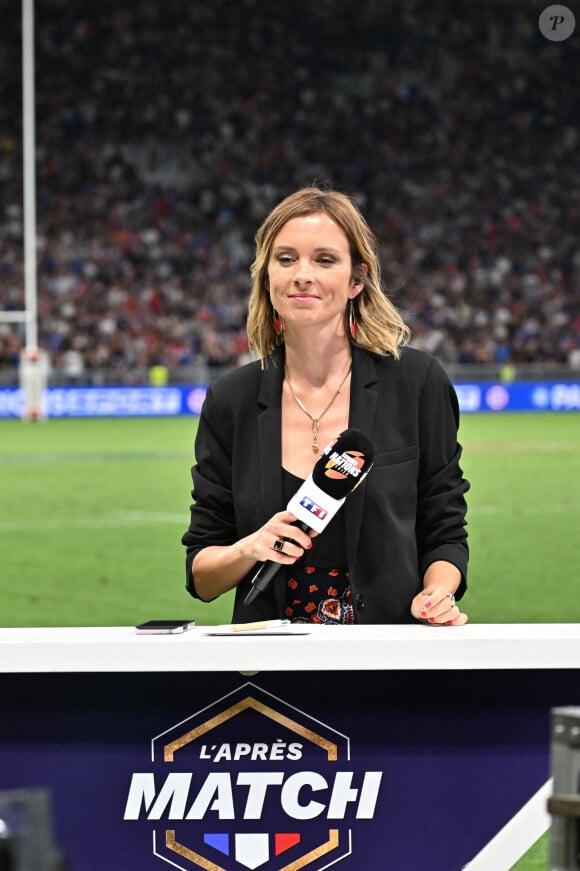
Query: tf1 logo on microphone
(310, 505)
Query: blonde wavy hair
(380, 327)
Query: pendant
(315, 428)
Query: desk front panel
(280, 771)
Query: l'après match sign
(251, 782)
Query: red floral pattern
(316, 595)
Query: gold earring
(352, 324)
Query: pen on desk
(260, 624)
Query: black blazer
(409, 511)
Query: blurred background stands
(166, 132)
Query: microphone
(344, 464)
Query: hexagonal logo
(251, 782)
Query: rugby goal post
(29, 315)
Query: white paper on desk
(286, 629)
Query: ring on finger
(452, 597)
(278, 545)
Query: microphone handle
(266, 572)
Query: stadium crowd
(167, 130)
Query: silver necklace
(316, 420)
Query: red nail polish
(449, 623)
(423, 613)
(431, 619)
(427, 604)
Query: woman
(332, 355)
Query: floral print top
(318, 595)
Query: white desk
(455, 718)
(324, 648)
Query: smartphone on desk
(164, 627)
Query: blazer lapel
(270, 448)
(270, 434)
(363, 406)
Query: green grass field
(92, 513)
(91, 520)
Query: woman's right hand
(218, 568)
(278, 540)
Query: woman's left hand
(436, 605)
